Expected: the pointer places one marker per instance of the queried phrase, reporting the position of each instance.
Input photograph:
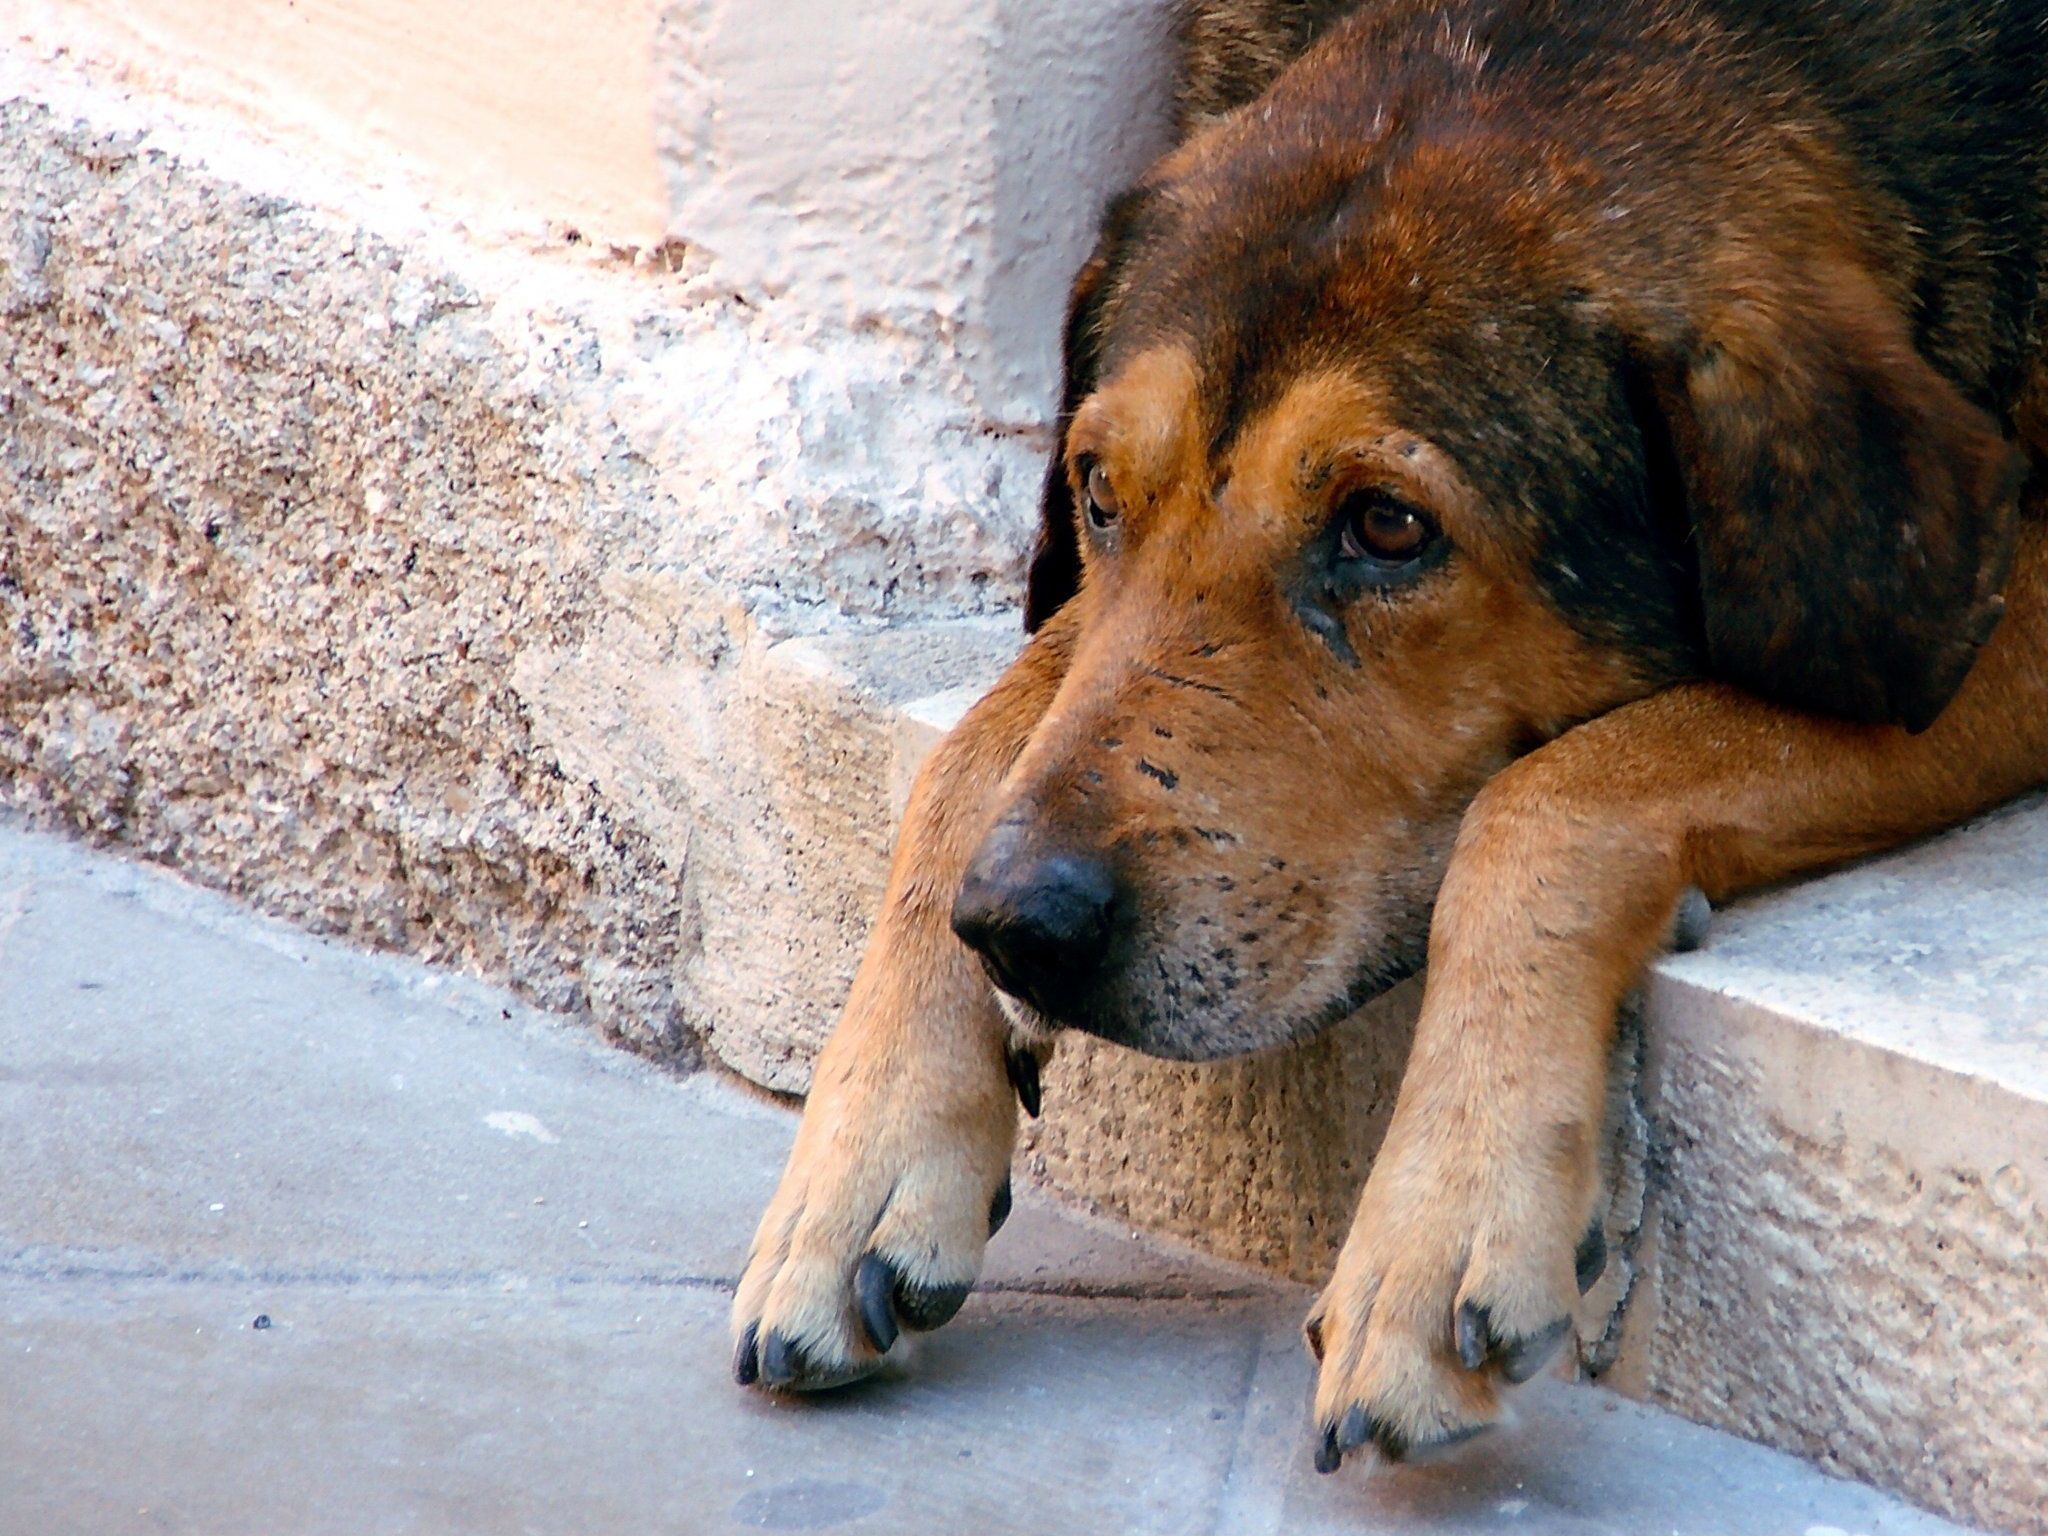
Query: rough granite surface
(1820, 1292)
(1846, 1249)
(416, 591)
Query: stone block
(1846, 1244)
(914, 162)
(425, 594)
(812, 736)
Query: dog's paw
(1448, 1290)
(877, 1229)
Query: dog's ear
(1853, 514)
(1055, 570)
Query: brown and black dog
(1519, 459)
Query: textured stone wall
(1848, 1255)
(415, 592)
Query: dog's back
(1942, 104)
(1231, 50)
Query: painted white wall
(916, 163)
(925, 175)
(506, 113)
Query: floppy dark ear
(1055, 571)
(1854, 515)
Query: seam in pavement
(63, 1273)
(1225, 1519)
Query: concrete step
(1843, 1124)
(410, 582)
(298, 1239)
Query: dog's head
(1387, 453)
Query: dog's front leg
(900, 1171)
(1470, 1242)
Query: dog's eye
(1371, 525)
(1101, 495)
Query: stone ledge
(417, 590)
(1846, 1244)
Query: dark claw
(782, 1363)
(1354, 1429)
(1479, 1341)
(788, 1367)
(1526, 1356)
(1329, 1455)
(999, 1209)
(1312, 1330)
(873, 1285)
(1358, 1428)
(1023, 1069)
(1591, 1257)
(746, 1364)
(1475, 1335)
(923, 1308)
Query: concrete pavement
(295, 1240)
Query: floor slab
(299, 1240)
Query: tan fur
(1562, 885)
(907, 1132)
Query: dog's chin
(1212, 1035)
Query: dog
(1518, 460)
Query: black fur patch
(1229, 51)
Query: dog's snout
(1041, 919)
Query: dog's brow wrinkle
(1188, 682)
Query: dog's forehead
(1262, 293)
(1150, 419)
(1143, 411)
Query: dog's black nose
(1040, 920)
